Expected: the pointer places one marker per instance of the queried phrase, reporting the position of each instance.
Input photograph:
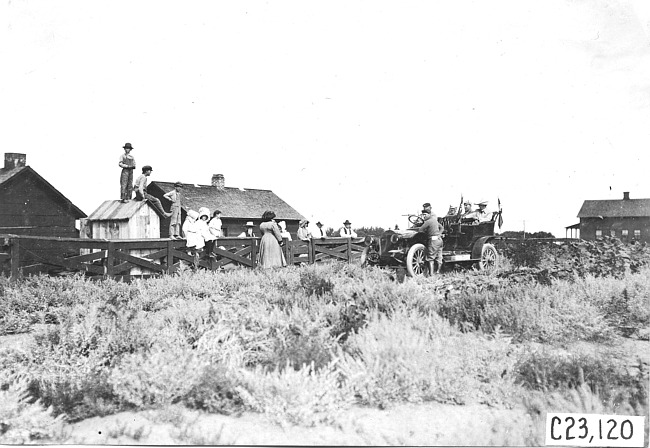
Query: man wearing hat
(346, 231)
(248, 233)
(140, 188)
(174, 197)
(433, 230)
(303, 230)
(481, 214)
(320, 233)
(467, 210)
(127, 163)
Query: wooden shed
(115, 220)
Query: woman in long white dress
(270, 254)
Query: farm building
(115, 220)
(237, 205)
(30, 205)
(626, 219)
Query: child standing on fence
(202, 224)
(215, 224)
(174, 197)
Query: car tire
(489, 258)
(415, 262)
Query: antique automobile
(465, 242)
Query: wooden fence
(28, 255)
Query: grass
(302, 345)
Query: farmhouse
(237, 205)
(30, 205)
(626, 219)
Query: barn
(238, 205)
(30, 205)
(627, 219)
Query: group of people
(305, 234)
(480, 214)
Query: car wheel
(489, 258)
(415, 262)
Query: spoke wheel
(489, 258)
(415, 262)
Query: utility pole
(524, 229)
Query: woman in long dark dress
(270, 254)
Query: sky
(359, 110)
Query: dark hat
(127, 146)
(347, 222)
(319, 223)
(425, 205)
(146, 168)
(178, 184)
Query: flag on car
(500, 222)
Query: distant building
(115, 220)
(626, 219)
(237, 205)
(30, 205)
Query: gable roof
(116, 210)
(233, 202)
(11, 173)
(615, 208)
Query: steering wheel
(416, 220)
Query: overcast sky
(358, 110)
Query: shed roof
(233, 202)
(7, 174)
(615, 208)
(116, 210)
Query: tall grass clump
(410, 357)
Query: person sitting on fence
(248, 233)
(303, 230)
(346, 231)
(283, 230)
(208, 237)
(141, 194)
(215, 224)
(192, 234)
(320, 233)
(174, 197)
(270, 253)
(127, 163)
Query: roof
(233, 202)
(7, 174)
(618, 208)
(116, 210)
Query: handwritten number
(631, 429)
(573, 422)
(583, 426)
(609, 434)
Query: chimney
(626, 195)
(218, 181)
(14, 160)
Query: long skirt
(270, 254)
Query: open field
(325, 354)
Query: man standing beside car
(433, 230)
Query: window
(612, 233)
(637, 234)
(624, 233)
(599, 233)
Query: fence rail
(22, 255)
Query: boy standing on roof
(127, 163)
(174, 197)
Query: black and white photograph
(299, 223)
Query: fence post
(310, 251)
(110, 259)
(170, 256)
(14, 247)
(349, 250)
(253, 252)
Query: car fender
(478, 246)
